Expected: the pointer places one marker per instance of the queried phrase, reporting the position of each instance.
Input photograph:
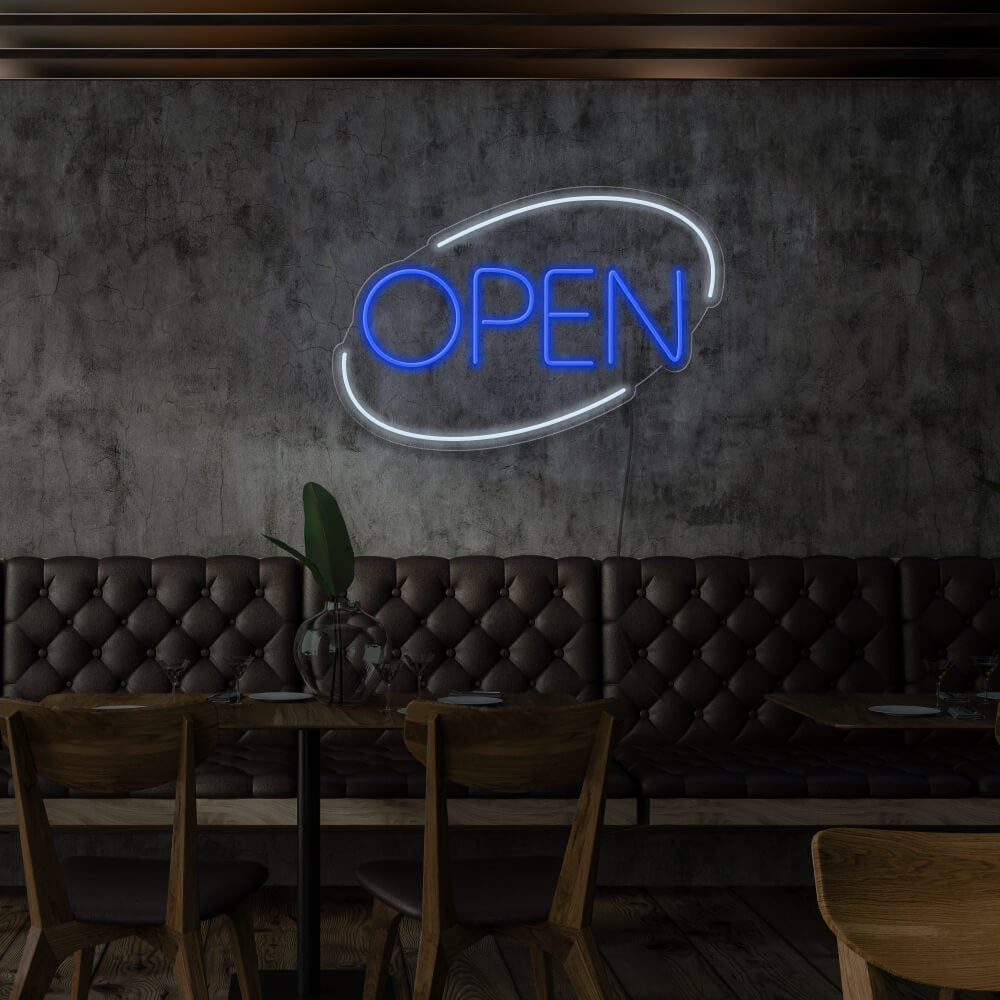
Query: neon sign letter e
(548, 315)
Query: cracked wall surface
(178, 260)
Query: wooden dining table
(310, 719)
(852, 710)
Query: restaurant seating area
(691, 646)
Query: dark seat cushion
(240, 771)
(236, 771)
(797, 771)
(486, 891)
(979, 763)
(388, 771)
(134, 891)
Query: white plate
(904, 710)
(281, 696)
(402, 711)
(106, 708)
(471, 699)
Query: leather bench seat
(237, 771)
(387, 770)
(799, 771)
(980, 764)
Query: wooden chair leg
(585, 967)
(382, 939)
(83, 970)
(432, 968)
(37, 967)
(858, 979)
(189, 967)
(541, 967)
(240, 923)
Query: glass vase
(339, 651)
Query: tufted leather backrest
(694, 645)
(950, 609)
(97, 625)
(527, 622)
(516, 624)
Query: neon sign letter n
(675, 357)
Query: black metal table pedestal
(307, 981)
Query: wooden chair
(545, 903)
(79, 903)
(923, 906)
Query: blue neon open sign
(526, 350)
(673, 349)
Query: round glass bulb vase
(339, 652)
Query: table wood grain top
(852, 710)
(251, 714)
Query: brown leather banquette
(692, 646)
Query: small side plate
(471, 699)
(281, 696)
(113, 708)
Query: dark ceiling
(638, 39)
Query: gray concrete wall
(178, 261)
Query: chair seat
(134, 891)
(487, 891)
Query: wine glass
(418, 663)
(985, 665)
(938, 670)
(387, 670)
(239, 666)
(175, 670)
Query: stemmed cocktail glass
(239, 666)
(175, 671)
(387, 669)
(418, 663)
(986, 665)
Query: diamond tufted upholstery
(517, 624)
(950, 608)
(694, 645)
(97, 625)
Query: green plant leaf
(324, 584)
(328, 543)
(990, 483)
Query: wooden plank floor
(681, 944)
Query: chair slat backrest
(115, 751)
(922, 906)
(510, 749)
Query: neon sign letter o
(412, 272)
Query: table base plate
(334, 984)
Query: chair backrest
(922, 906)
(117, 751)
(111, 751)
(509, 749)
